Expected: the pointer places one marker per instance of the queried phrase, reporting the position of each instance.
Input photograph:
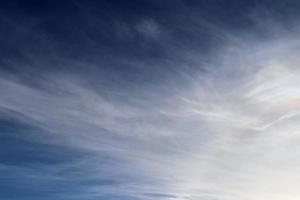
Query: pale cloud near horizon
(231, 133)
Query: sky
(149, 100)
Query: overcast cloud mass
(150, 100)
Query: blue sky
(149, 100)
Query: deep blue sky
(77, 78)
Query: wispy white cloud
(231, 133)
(149, 28)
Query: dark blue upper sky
(100, 29)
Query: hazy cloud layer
(185, 124)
